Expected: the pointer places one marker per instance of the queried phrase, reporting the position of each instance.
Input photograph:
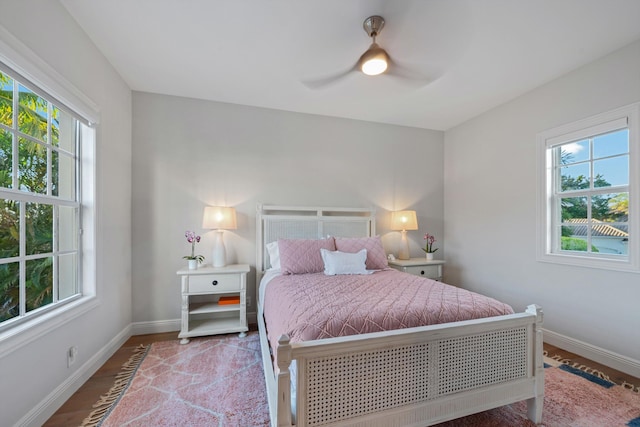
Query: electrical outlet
(72, 354)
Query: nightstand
(419, 267)
(214, 301)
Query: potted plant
(193, 259)
(428, 248)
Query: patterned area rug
(218, 381)
(212, 381)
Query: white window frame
(546, 222)
(26, 63)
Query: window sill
(23, 334)
(591, 262)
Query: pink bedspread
(314, 306)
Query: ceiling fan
(374, 61)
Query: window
(589, 192)
(40, 206)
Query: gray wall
(490, 209)
(188, 154)
(35, 376)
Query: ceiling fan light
(373, 67)
(374, 61)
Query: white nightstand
(419, 267)
(202, 313)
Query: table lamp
(404, 220)
(219, 218)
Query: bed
(413, 376)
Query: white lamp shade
(219, 218)
(404, 220)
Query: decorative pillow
(376, 257)
(337, 262)
(274, 255)
(300, 256)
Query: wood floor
(80, 404)
(75, 410)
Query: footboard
(418, 376)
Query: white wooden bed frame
(409, 377)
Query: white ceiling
(478, 53)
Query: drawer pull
(214, 283)
(422, 272)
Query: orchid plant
(193, 239)
(429, 245)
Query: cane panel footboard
(420, 376)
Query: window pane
(573, 208)
(9, 228)
(9, 290)
(67, 276)
(612, 207)
(32, 169)
(6, 159)
(618, 204)
(611, 144)
(6, 100)
(574, 152)
(63, 130)
(63, 176)
(573, 242)
(39, 228)
(609, 240)
(612, 171)
(39, 283)
(32, 115)
(67, 228)
(575, 177)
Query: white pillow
(274, 255)
(336, 262)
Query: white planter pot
(429, 256)
(193, 264)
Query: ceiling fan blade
(329, 80)
(402, 71)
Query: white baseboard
(597, 354)
(155, 327)
(38, 415)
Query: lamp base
(403, 253)
(219, 256)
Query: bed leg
(534, 405)
(534, 409)
(283, 405)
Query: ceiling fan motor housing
(373, 25)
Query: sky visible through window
(610, 155)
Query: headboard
(296, 222)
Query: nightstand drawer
(430, 271)
(213, 283)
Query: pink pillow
(376, 256)
(300, 256)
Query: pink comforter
(314, 306)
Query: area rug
(218, 381)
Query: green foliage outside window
(575, 244)
(33, 113)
